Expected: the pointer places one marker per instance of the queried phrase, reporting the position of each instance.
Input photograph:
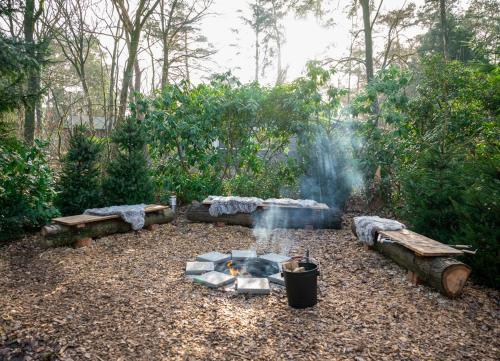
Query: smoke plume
(330, 175)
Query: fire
(233, 270)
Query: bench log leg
(83, 242)
(152, 227)
(413, 278)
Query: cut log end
(454, 278)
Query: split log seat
(66, 231)
(426, 260)
(280, 216)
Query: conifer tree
(128, 179)
(79, 186)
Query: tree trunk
(86, 92)
(367, 26)
(164, 68)
(280, 76)
(138, 74)
(257, 54)
(277, 217)
(444, 27)
(55, 235)
(128, 73)
(445, 274)
(39, 115)
(186, 57)
(111, 112)
(33, 76)
(165, 29)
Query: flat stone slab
(274, 257)
(243, 254)
(255, 286)
(214, 279)
(215, 257)
(277, 278)
(198, 268)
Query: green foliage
(279, 178)
(220, 136)
(382, 131)
(226, 137)
(79, 184)
(452, 188)
(183, 129)
(15, 64)
(439, 152)
(18, 60)
(26, 187)
(128, 179)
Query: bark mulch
(126, 298)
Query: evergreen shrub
(79, 183)
(128, 179)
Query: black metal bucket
(302, 287)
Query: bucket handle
(317, 264)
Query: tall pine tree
(79, 186)
(128, 179)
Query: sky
(305, 38)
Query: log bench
(427, 261)
(68, 231)
(286, 216)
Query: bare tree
(133, 24)
(110, 26)
(367, 28)
(31, 16)
(76, 40)
(396, 21)
(177, 29)
(260, 21)
(274, 37)
(444, 27)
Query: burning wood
(233, 269)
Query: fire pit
(241, 271)
(250, 267)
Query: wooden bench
(80, 229)
(426, 260)
(422, 246)
(290, 216)
(81, 220)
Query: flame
(234, 272)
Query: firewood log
(446, 274)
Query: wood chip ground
(126, 298)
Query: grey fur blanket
(133, 214)
(303, 203)
(232, 205)
(366, 226)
